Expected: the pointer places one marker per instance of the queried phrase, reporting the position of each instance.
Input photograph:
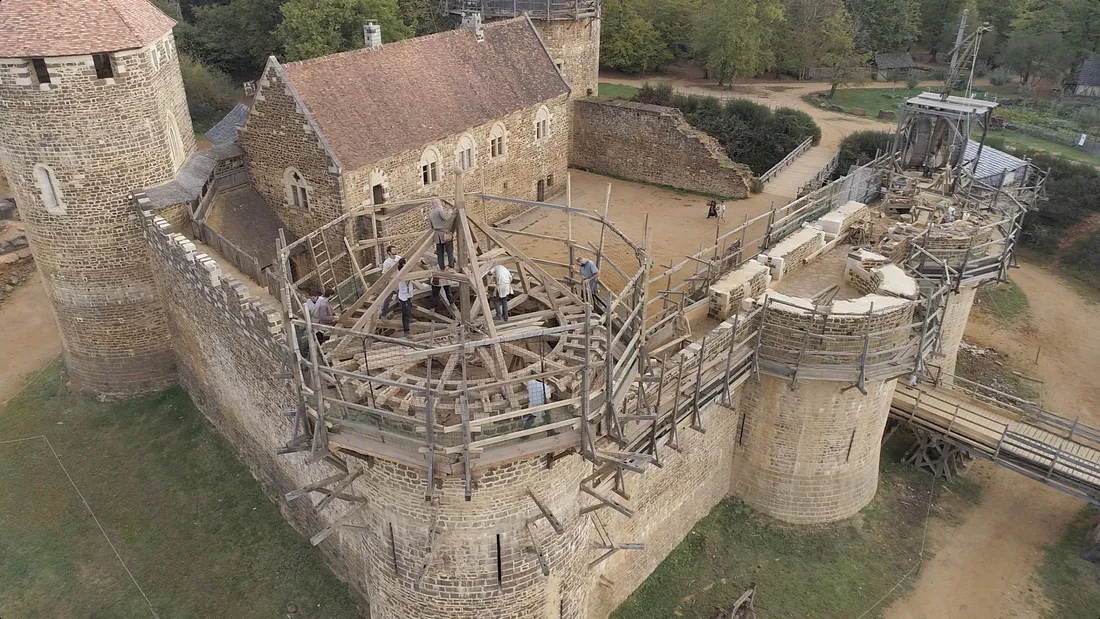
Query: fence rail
(784, 162)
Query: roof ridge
(401, 43)
(121, 16)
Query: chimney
(372, 35)
(473, 22)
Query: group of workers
(716, 210)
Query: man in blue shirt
(590, 274)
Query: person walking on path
(590, 275)
(721, 211)
(442, 222)
(503, 282)
(712, 209)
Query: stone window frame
(543, 129)
(49, 189)
(465, 153)
(175, 141)
(104, 66)
(427, 169)
(498, 141)
(296, 189)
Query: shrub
(860, 147)
(210, 92)
(999, 76)
(981, 69)
(661, 94)
(1026, 91)
(912, 81)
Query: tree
(839, 58)
(734, 37)
(210, 92)
(312, 28)
(1029, 54)
(424, 16)
(630, 42)
(674, 21)
(801, 39)
(235, 37)
(885, 25)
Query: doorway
(540, 191)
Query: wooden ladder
(322, 261)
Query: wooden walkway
(1054, 450)
(790, 179)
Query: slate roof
(1089, 75)
(189, 180)
(225, 131)
(373, 103)
(33, 28)
(894, 60)
(993, 161)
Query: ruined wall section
(101, 138)
(653, 144)
(575, 47)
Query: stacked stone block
(102, 138)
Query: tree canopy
(312, 28)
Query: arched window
(175, 144)
(429, 167)
(464, 153)
(498, 141)
(542, 124)
(297, 189)
(49, 190)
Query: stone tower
(92, 108)
(570, 30)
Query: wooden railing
(784, 162)
(822, 175)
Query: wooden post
(696, 414)
(429, 430)
(673, 439)
(569, 224)
(588, 448)
(603, 227)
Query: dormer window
(103, 67)
(40, 70)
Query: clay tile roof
(370, 104)
(32, 28)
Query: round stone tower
(92, 108)
(570, 29)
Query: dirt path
(984, 568)
(28, 336)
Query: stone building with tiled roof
(396, 122)
(1087, 81)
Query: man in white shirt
(404, 298)
(502, 278)
(391, 261)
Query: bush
(661, 94)
(912, 81)
(860, 147)
(1026, 91)
(999, 76)
(210, 92)
(981, 69)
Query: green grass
(1068, 580)
(617, 91)
(837, 571)
(186, 516)
(1015, 139)
(1005, 302)
(870, 99)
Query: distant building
(894, 65)
(1087, 81)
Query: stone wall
(809, 455)
(653, 144)
(575, 47)
(792, 253)
(668, 501)
(954, 324)
(102, 139)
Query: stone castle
(442, 485)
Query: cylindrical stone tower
(955, 316)
(808, 445)
(92, 108)
(455, 559)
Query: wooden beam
(546, 513)
(337, 524)
(604, 502)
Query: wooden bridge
(1010, 432)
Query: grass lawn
(1016, 139)
(1068, 580)
(870, 99)
(617, 91)
(1005, 302)
(186, 517)
(838, 570)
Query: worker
(404, 299)
(720, 212)
(712, 209)
(441, 293)
(391, 261)
(680, 324)
(590, 275)
(503, 283)
(442, 222)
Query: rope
(920, 554)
